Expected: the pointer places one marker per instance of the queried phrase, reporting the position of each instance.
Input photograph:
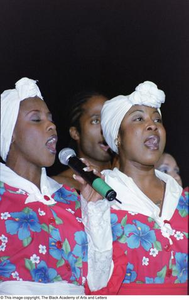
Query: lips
(51, 144)
(152, 142)
(104, 146)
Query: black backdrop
(109, 45)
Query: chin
(49, 163)
(149, 162)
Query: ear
(74, 133)
(118, 140)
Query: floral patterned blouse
(150, 256)
(42, 243)
(150, 253)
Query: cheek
(92, 132)
(29, 137)
(163, 137)
(130, 137)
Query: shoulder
(183, 203)
(63, 176)
(66, 178)
(67, 173)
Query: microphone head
(65, 154)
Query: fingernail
(95, 171)
(74, 176)
(86, 169)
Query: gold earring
(117, 142)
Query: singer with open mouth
(44, 248)
(150, 225)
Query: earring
(12, 141)
(117, 142)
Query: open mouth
(104, 146)
(152, 142)
(51, 144)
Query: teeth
(51, 144)
(152, 142)
(52, 140)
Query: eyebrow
(37, 111)
(31, 111)
(136, 110)
(95, 115)
(167, 164)
(142, 111)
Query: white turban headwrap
(10, 105)
(114, 110)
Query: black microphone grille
(65, 154)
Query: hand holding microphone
(67, 156)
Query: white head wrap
(114, 110)
(10, 105)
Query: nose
(177, 177)
(51, 126)
(151, 125)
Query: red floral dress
(42, 243)
(147, 260)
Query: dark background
(111, 46)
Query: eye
(138, 119)
(158, 120)
(50, 119)
(49, 116)
(36, 120)
(35, 117)
(163, 169)
(177, 171)
(95, 121)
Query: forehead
(33, 103)
(142, 108)
(94, 105)
(168, 159)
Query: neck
(29, 172)
(141, 175)
(99, 165)
(146, 180)
(102, 165)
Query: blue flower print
(57, 251)
(55, 245)
(24, 222)
(152, 280)
(75, 270)
(6, 268)
(65, 195)
(139, 233)
(57, 219)
(130, 274)
(81, 249)
(43, 274)
(181, 267)
(2, 189)
(116, 227)
(183, 205)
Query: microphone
(67, 156)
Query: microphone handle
(96, 182)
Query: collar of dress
(134, 200)
(48, 186)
